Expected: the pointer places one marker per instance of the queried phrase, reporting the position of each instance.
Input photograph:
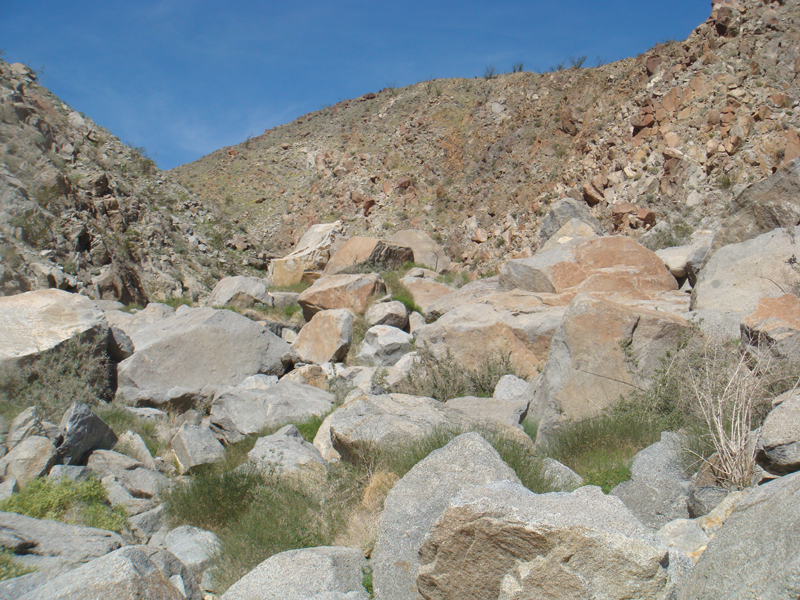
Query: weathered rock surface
(754, 554)
(286, 454)
(25, 424)
(426, 292)
(608, 264)
(491, 410)
(658, 489)
(186, 358)
(417, 501)
(601, 351)
(195, 445)
(368, 252)
(564, 211)
(473, 334)
(84, 432)
(302, 575)
(194, 547)
(738, 276)
(237, 413)
(685, 535)
(29, 459)
(311, 254)
(130, 573)
(352, 292)
(34, 322)
(502, 541)
(240, 291)
(326, 338)
(778, 449)
(426, 251)
(384, 345)
(393, 314)
(774, 325)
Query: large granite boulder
(353, 292)
(754, 554)
(240, 291)
(32, 457)
(237, 413)
(326, 338)
(304, 574)
(778, 448)
(563, 212)
(418, 500)
(426, 251)
(384, 345)
(310, 255)
(503, 541)
(35, 322)
(286, 454)
(186, 358)
(368, 253)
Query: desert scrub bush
(444, 378)
(10, 568)
(677, 234)
(75, 371)
(81, 503)
(399, 291)
(454, 280)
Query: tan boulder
(353, 292)
(601, 352)
(311, 254)
(614, 264)
(426, 251)
(369, 252)
(29, 459)
(425, 291)
(774, 322)
(326, 338)
(473, 334)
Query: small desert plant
(576, 62)
(724, 182)
(10, 568)
(399, 291)
(490, 72)
(516, 67)
(83, 503)
(76, 371)
(444, 378)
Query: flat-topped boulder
(615, 264)
(311, 254)
(240, 292)
(35, 322)
(368, 252)
(426, 251)
(353, 292)
(186, 358)
(425, 291)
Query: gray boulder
(32, 457)
(286, 454)
(194, 445)
(186, 358)
(384, 345)
(562, 213)
(658, 489)
(510, 387)
(778, 449)
(240, 291)
(563, 478)
(84, 432)
(130, 573)
(147, 523)
(194, 547)
(754, 554)
(502, 541)
(490, 410)
(393, 314)
(237, 413)
(418, 500)
(25, 424)
(35, 322)
(320, 573)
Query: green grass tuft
(10, 568)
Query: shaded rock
(133, 445)
(25, 424)
(502, 541)
(754, 554)
(418, 500)
(50, 545)
(601, 352)
(491, 410)
(311, 254)
(608, 264)
(84, 432)
(130, 573)
(237, 413)
(286, 454)
(473, 334)
(393, 314)
(144, 525)
(384, 345)
(194, 547)
(353, 292)
(326, 338)
(35, 322)
(562, 476)
(574, 231)
(769, 204)
(29, 459)
(303, 574)
(774, 325)
(366, 252)
(185, 359)
(658, 489)
(778, 449)
(738, 276)
(194, 445)
(564, 211)
(313, 375)
(426, 251)
(241, 292)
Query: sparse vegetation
(10, 568)
(81, 503)
(399, 291)
(490, 72)
(516, 67)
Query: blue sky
(183, 78)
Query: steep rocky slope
(678, 131)
(81, 211)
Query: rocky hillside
(669, 137)
(81, 211)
